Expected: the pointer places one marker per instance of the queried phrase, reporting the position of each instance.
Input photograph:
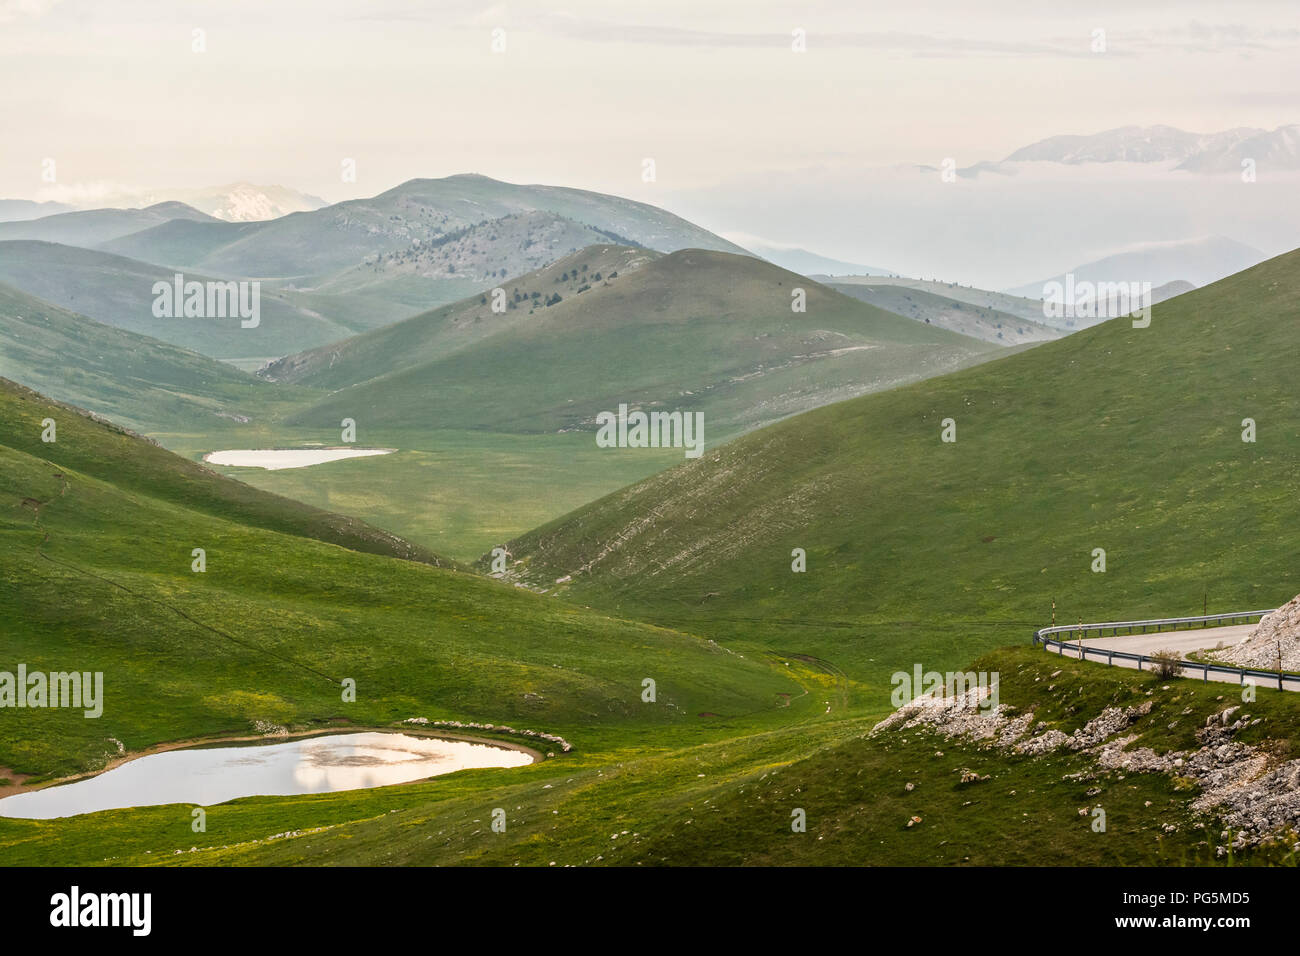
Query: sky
(126, 93)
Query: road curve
(1182, 643)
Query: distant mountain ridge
(806, 263)
(333, 272)
(415, 214)
(493, 250)
(21, 210)
(242, 202)
(1198, 261)
(91, 227)
(232, 202)
(1194, 152)
(945, 312)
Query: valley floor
(727, 795)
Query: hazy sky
(112, 90)
(747, 135)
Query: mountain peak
(1223, 151)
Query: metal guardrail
(1044, 636)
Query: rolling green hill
(437, 333)
(136, 381)
(490, 412)
(482, 469)
(96, 535)
(1118, 438)
(418, 246)
(119, 291)
(134, 465)
(692, 331)
(912, 557)
(93, 226)
(181, 243)
(454, 492)
(493, 413)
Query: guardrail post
(1207, 673)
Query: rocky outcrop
(1255, 794)
(1279, 631)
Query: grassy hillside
(492, 412)
(985, 324)
(1123, 439)
(913, 558)
(136, 466)
(418, 246)
(456, 493)
(440, 332)
(459, 493)
(477, 418)
(729, 801)
(692, 331)
(119, 291)
(95, 548)
(93, 226)
(134, 380)
(182, 243)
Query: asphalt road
(1183, 642)
(1180, 642)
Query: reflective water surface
(216, 774)
(273, 459)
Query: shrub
(1164, 664)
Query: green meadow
(946, 554)
(1117, 438)
(460, 493)
(726, 798)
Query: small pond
(209, 775)
(273, 459)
